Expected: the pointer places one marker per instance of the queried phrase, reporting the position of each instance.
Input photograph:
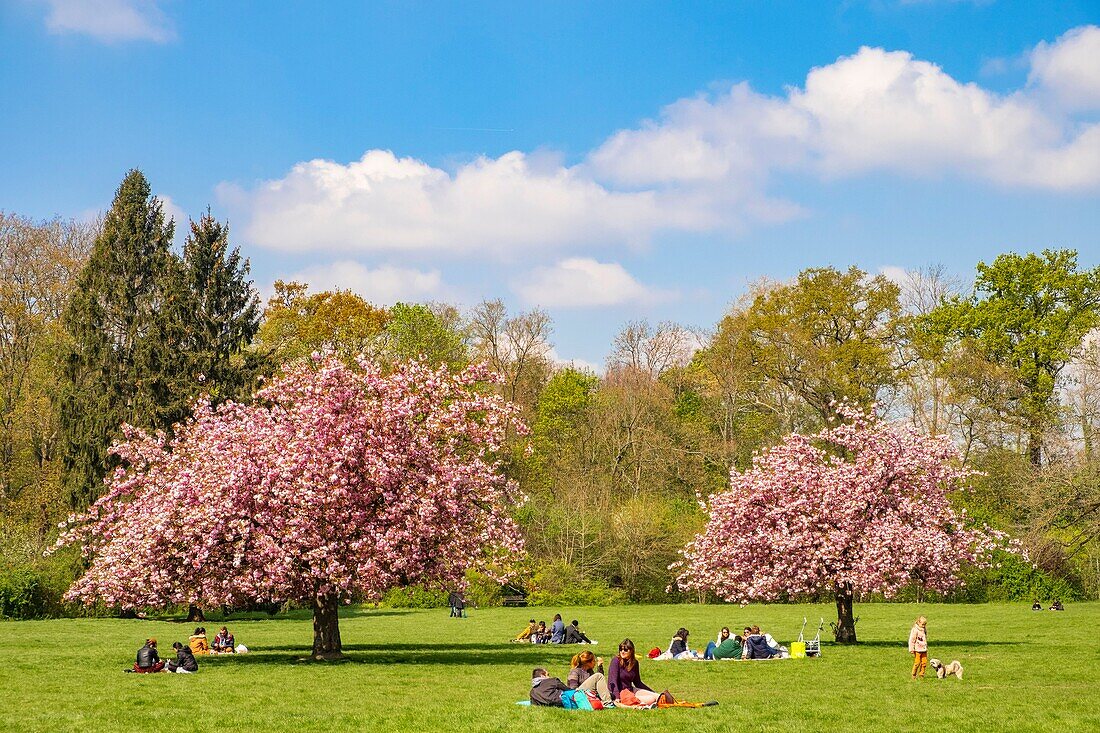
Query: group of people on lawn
(752, 644)
(148, 657)
(622, 683)
(558, 633)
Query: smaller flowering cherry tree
(857, 508)
(332, 484)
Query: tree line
(105, 323)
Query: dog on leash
(946, 670)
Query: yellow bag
(798, 650)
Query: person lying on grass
(185, 662)
(223, 642)
(574, 635)
(546, 690)
(587, 674)
(148, 659)
(624, 676)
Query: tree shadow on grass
(937, 643)
(390, 654)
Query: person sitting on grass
(198, 641)
(223, 642)
(574, 635)
(185, 660)
(756, 646)
(528, 634)
(557, 630)
(148, 660)
(546, 690)
(624, 678)
(1036, 606)
(679, 648)
(724, 647)
(1057, 606)
(542, 636)
(587, 674)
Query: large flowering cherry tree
(333, 484)
(857, 508)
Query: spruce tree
(224, 312)
(124, 356)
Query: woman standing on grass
(624, 676)
(918, 646)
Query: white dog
(946, 670)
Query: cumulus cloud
(383, 285)
(1069, 68)
(581, 282)
(874, 110)
(705, 164)
(110, 21)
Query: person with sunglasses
(624, 676)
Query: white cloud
(705, 164)
(385, 203)
(578, 364)
(580, 282)
(1069, 68)
(110, 20)
(897, 275)
(383, 285)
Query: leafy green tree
(827, 337)
(125, 355)
(1029, 314)
(418, 332)
(297, 323)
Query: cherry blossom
(333, 484)
(858, 508)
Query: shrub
(559, 584)
(415, 596)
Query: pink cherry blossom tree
(857, 508)
(333, 484)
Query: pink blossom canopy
(864, 503)
(334, 481)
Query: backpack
(577, 700)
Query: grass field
(421, 671)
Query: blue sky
(605, 161)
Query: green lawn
(419, 670)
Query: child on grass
(918, 646)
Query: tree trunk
(326, 628)
(194, 613)
(845, 621)
(1035, 441)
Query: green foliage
(125, 353)
(221, 313)
(559, 584)
(827, 337)
(296, 323)
(416, 332)
(415, 596)
(1014, 578)
(1028, 314)
(482, 591)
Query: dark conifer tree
(124, 358)
(224, 312)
